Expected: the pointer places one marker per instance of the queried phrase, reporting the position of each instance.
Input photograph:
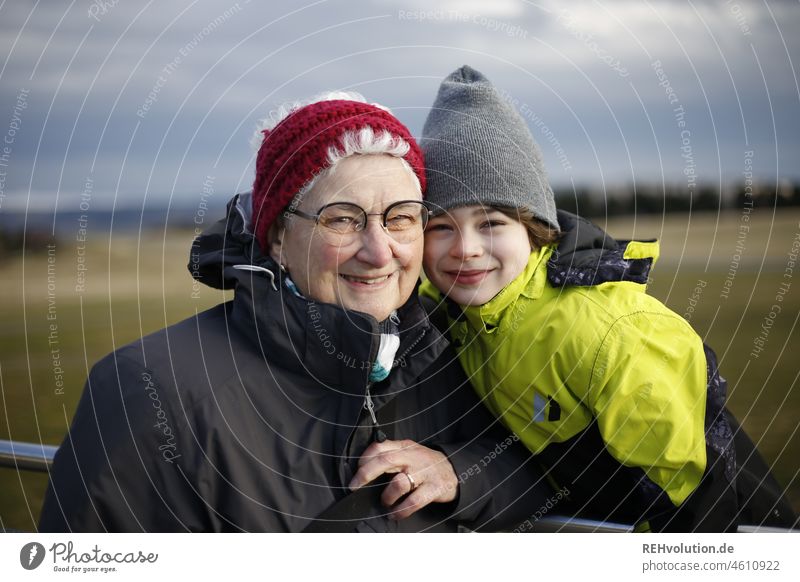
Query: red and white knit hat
(296, 150)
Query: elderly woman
(321, 375)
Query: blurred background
(125, 128)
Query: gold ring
(410, 481)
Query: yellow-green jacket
(603, 382)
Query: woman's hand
(425, 474)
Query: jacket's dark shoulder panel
(121, 466)
(194, 354)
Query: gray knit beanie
(478, 150)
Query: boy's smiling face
(473, 252)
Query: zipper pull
(377, 433)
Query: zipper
(377, 434)
(412, 346)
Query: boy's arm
(648, 393)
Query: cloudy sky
(134, 101)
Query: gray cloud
(205, 72)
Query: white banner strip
(399, 558)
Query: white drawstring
(256, 268)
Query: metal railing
(560, 523)
(39, 457)
(27, 456)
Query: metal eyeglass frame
(426, 213)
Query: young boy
(615, 394)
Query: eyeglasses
(340, 222)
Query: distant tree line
(651, 199)
(15, 242)
(583, 200)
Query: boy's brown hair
(539, 233)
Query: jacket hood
(587, 255)
(225, 244)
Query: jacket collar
(530, 283)
(337, 347)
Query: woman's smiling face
(472, 253)
(371, 272)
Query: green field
(52, 333)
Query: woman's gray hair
(351, 143)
